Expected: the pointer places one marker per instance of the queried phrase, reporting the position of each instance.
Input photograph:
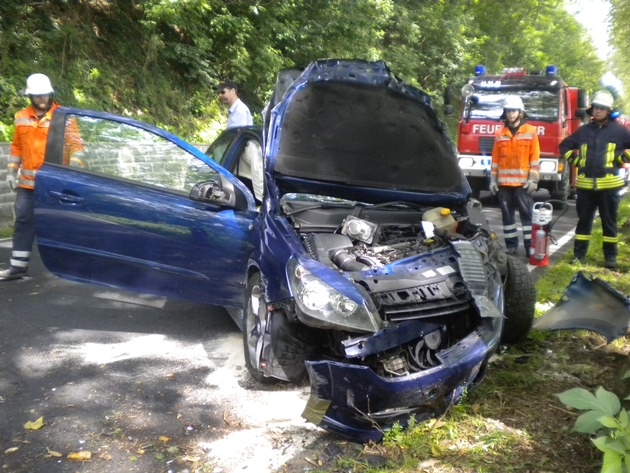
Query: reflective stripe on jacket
(516, 158)
(29, 144)
(602, 150)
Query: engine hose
(346, 262)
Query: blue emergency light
(480, 70)
(551, 70)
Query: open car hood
(349, 127)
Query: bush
(606, 421)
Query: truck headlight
(547, 166)
(321, 305)
(466, 163)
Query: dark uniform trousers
(588, 202)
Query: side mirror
(449, 110)
(448, 95)
(222, 193)
(470, 99)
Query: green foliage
(157, 60)
(620, 31)
(606, 421)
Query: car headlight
(321, 305)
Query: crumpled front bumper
(353, 401)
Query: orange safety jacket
(515, 158)
(29, 144)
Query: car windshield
(539, 104)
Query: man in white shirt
(238, 112)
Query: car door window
(124, 151)
(218, 148)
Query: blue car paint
(196, 246)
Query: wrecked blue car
(340, 238)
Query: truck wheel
(563, 189)
(520, 301)
(255, 319)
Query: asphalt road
(143, 383)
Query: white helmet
(513, 102)
(38, 84)
(603, 98)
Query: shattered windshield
(540, 105)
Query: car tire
(520, 302)
(255, 319)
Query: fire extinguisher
(541, 231)
(541, 217)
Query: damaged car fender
(589, 303)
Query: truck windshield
(540, 105)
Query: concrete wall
(7, 197)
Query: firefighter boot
(12, 273)
(611, 262)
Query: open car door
(122, 203)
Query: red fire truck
(553, 107)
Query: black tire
(520, 302)
(255, 319)
(563, 188)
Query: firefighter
(25, 158)
(514, 172)
(602, 150)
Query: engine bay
(421, 278)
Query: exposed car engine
(423, 280)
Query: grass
(513, 422)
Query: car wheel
(255, 319)
(520, 301)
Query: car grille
(450, 296)
(486, 143)
(429, 300)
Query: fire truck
(554, 108)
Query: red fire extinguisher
(541, 234)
